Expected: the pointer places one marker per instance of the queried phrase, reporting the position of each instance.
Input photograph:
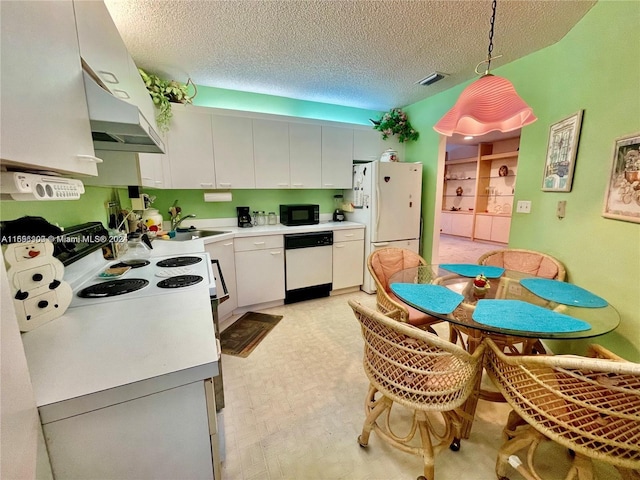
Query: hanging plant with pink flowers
(395, 122)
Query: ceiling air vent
(431, 79)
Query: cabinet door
(305, 155)
(45, 121)
(223, 251)
(260, 276)
(191, 150)
(500, 229)
(233, 148)
(337, 150)
(483, 227)
(151, 170)
(348, 264)
(101, 46)
(366, 145)
(445, 222)
(271, 153)
(462, 225)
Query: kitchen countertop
(279, 229)
(93, 357)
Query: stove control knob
(43, 304)
(37, 277)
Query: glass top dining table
(505, 287)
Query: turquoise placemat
(519, 315)
(434, 298)
(563, 292)
(473, 270)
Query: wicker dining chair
(417, 370)
(382, 264)
(590, 406)
(527, 261)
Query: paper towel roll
(217, 197)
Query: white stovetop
(96, 349)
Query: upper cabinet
(271, 153)
(305, 155)
(190, 149)
(233, 149)
(45, 123)
(337, 150)
(368, 145)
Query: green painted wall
(594, 67)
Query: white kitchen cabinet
(366, 145)
(151, 167)
(348, 258)
(259, 269)
(305, 155)
(493, 227)
(163, 435)
(223, 251)
(233, 149)
(482, 229)
(271, 153)
(337, 150)
(45, 120)
(128, 168)
(190, 145)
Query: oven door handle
(225, 292)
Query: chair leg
(373, 408)
(427, 446)
(582, 468)
(528, 439)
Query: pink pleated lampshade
(488, 104)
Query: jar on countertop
(152, 220)
(273, 219)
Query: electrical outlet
(524, 206)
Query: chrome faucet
(175, 222)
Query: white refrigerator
(387, 198)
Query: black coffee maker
(244, 219)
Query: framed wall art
(561, 154)
(622, 197)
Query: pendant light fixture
(488, 104)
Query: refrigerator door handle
(377, 206)
(380, 244)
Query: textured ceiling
(360, 53)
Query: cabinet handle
(228, 244)
(90, 158)
(108, 77)
(224, 184)
(336, 245)
(206, 184)
(298, 184)
(158, 182)
(121, 94)
(276, 253)
(328, 184)
(147, 178)
(283, 184)
(348, 234)
(258, 243)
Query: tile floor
(295, 407)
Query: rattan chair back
(382, 264)
(588, 405)
(420, 371)
(528, 261)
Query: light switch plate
(524, 206)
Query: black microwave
(299, 214)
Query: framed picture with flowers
(561, 154)
(622, 197)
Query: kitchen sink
(197, 233)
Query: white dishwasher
(308, 261)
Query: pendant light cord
(489, 57)
(493, 19)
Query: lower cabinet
(460, 224)
(493, 228)
(259, 269)
(348, 258)
(223, 251)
